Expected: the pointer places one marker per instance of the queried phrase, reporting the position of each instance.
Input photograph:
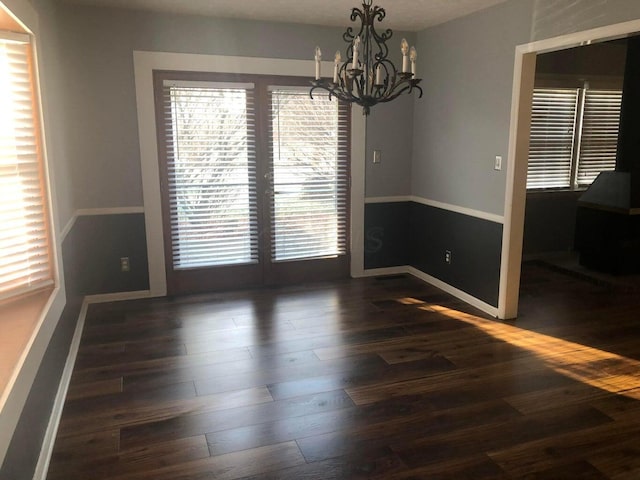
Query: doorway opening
(516, 191)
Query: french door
(254, 181)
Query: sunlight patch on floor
(599, 368)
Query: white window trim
(144, 64)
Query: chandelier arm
(357, 13)
(348, 35)
(398, 89)
(343, 95)
(383, 49)
(379, 13)
(408, 88)
(380, 38)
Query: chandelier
(368, 77)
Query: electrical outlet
(447, 257)
(124, 264)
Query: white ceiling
(409, 15)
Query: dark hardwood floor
(376, 378)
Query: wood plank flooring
(375, 378)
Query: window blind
(310, 153)
(553, 119)
(599, 141)
(25, 260)
(211, 166)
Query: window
(25, 263)
(574, 136)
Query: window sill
(19, 321)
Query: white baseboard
(49, 440)
(117, 297)
(378, 272)
(470, 299)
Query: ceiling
(408, 15)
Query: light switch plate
(498, 164)
(377, 156)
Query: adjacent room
(334, 240)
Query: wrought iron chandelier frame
(374, 79)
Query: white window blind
(211, 166)
(599, 140)
(25, 262)
(553, 119)
(309, 148)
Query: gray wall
(551, 18)
(53, 82)
(94, 247)
(463, 121)
(390, 130)
(105, 153)
(410, 233)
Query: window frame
(145, 63)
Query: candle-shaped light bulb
(404, 48)
(318, 60)
(356, 45)
(379, 75)
(336, 66)
(413, 56)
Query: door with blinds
(254, 180)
